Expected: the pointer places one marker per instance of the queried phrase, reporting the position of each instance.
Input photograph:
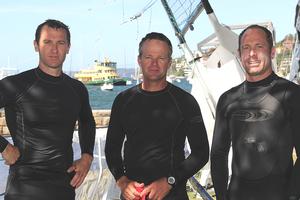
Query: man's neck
(252, 78)
(154, 86)
(51, 71)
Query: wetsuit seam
(18, 98)
(173, 138)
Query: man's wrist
(122, 182)
(171, 180)
(87, 157)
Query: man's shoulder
(129, 92)
(285, 82)
(233, 89)
(124, 97)
(177, 91)
(231, 94)
(73, 81)
(22, 77)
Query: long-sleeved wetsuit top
(41, 112)
(155, 125)
(262, 122)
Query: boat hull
(120, 81)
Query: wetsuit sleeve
(114, 141)
(3, 143)
(7, 96)
(197, 138)
(294, 100)
(219, 152)
(86, 125)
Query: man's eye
(62, 42)
(260, 46)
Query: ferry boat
(102, 72)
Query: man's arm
(197, 138)
(294, 191)
(219, 153)
(114, 141)
(86, 125)
(86, 133)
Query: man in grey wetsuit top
(155, 117)
(42, 106)
(260, 119)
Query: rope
(200, 189)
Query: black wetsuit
(262, 122)
(156, 125)
(41, 112)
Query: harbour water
(103, 99)
(99, 100)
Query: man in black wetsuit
(155, 117)
(260, 119)
(42, 106)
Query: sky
(103, 29)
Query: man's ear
(273, 51)
(68, 48)
(36, 46)
(238, 53)
(139, 60)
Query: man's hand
(157, 190)
(10, 154)
(81, 167)
(128, 188)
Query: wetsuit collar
(153, 93)
(46, 77)
(263, 82)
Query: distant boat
(107, 86)
(170, 78)
(102, 72)
(128, 82)
(6, 71)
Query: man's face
(154, 60)
(52, 47)
(256, 55)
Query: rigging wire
(140, 13)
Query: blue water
(103, 99)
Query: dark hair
(268, 33)
(156, 36)
(52, 24)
